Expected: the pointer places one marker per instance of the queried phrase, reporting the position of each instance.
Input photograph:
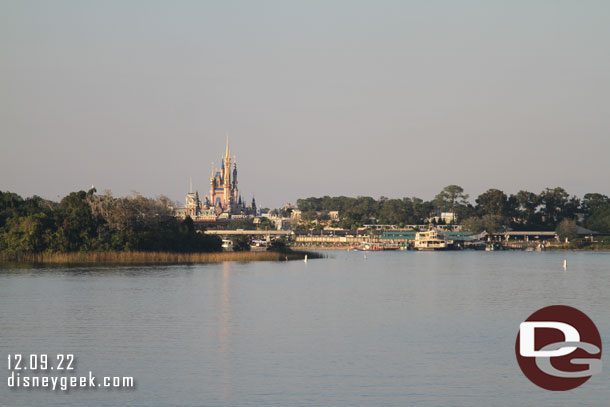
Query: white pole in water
(565, 264)
(305, 259)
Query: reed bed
(80, 258)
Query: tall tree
(421, 210)
(557, 205)
(594, 201)
(450, 197)
(492, 202)
(596, 208)
(527, 206)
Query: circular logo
(558, 348)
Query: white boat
(490, 247)
(259, 245)
(432, 240)
(227, 244)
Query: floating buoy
(565, 264)
(305, 259)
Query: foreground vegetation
(113, 257)
(85, 222)
(86, 228)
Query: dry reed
(149, 257)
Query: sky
(375, 98)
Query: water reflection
(224, 330)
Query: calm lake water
(396, 329)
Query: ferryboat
(368, 247)
(259, 245)
(433, 240)
(374, 247)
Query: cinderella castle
(224, 200)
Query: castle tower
(234, 184)
(212, 182)
(227, 177)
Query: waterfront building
(445, 217)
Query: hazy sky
(390, 98)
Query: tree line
(85, 221)
(492, 211)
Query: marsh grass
(87, 258)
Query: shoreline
(316, 248)
(151, 258)
(508, 249)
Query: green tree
(492, 202)
(309, 204)
(596, 208)
(309, 215)
(421, 210)
(485, 223)
(279, 245)
(594, 201)
(245, 224)
(266, 224)
(392, 212)
(26, 234)
(450, 197)
(557, 205)
(76, 224)
(599, 221)
(241, 243)
(527, 209)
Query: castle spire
(227, 153)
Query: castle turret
(234, 184)
(227, 195)
(212, 179)
(227, 152)
(227, 166)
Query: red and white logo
(559, 348)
